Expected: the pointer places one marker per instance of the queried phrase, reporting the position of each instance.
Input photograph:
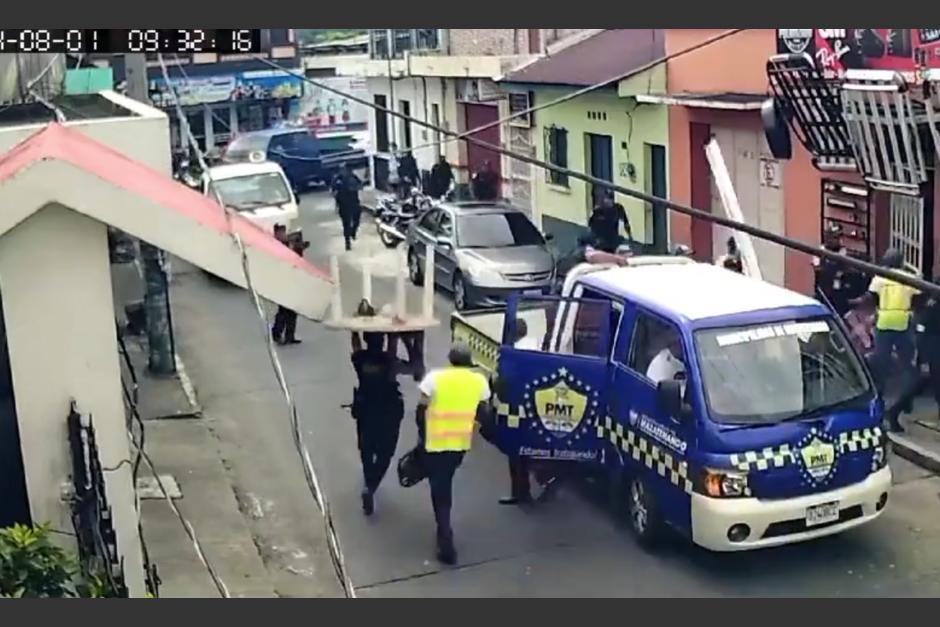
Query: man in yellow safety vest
(452, 400)
(893, 332)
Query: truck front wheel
(643, 513)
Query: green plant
(32, 566)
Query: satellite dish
(256, 156)
(776, 129)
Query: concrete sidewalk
(920, 442)
(187, 458)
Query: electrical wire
(310, 475)
(117, 466)
(655, 201)
(572, 95)
(580, 92)
(179, 65)
(187, 526)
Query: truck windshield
(245, 193)
(769, 373)
(496, 230)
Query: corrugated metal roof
(606, 55)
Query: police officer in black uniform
(377, 407)
(605, 223)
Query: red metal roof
(58, 142)
(606, 55)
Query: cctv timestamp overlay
(117, 40)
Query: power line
(142, 455)
(579, 92)
(816, 251)
(572, 95)
(310, 475)
(187, 526)
(179, 65)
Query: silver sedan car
(484, 251)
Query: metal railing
(883, 123)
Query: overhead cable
(655, 201)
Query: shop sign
(835, 50)
(200, 90)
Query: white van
(259, 191)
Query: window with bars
(556, 153)
(907, 230)
(427, 39)
(380, 44)
(404, 41)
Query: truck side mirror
(669, 399)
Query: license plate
(822, 514)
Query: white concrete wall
(61, 337)
(57, 304)
(145, 138)
(440, 92)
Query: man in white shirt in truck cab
(524, 341)
(667, 364)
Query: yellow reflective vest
(894, 305)
(451, 415)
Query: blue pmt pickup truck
(729, 409)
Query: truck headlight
(879, 458)
(724, 483)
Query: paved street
(569, 547)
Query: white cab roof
(236, 170)
(695, 291)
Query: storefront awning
(728, 101)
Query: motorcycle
(188, 174)
(394, 216)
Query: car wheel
(643, 512)
(414, 268)
(460, 292)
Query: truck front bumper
(778, 522)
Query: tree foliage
(32, 566)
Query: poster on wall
(323, 109)
(200, 90)
(835, 50)
(267, 85)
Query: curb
(188, 389)
(915, 453)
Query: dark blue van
(307, 158)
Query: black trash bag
(411, 469)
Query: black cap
(460, 355)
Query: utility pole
(157, 294)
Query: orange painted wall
(735, 63)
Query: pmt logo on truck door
(561, 401)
